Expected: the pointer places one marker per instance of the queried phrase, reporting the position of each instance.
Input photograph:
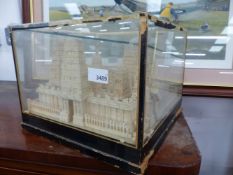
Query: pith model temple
(68, 97)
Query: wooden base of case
(125, 157)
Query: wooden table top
(24, 153)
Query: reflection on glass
(86, 76)
(164, 77)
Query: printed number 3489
(102, 78)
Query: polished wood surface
(24, 153)
(211, 122)
(211, 91)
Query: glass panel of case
(110, 87)
(164, 76)
(88, 76)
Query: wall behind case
(10, 13)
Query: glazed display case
(111, 87)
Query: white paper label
(98, 75)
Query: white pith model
(68, 97)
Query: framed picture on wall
(207, 21)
